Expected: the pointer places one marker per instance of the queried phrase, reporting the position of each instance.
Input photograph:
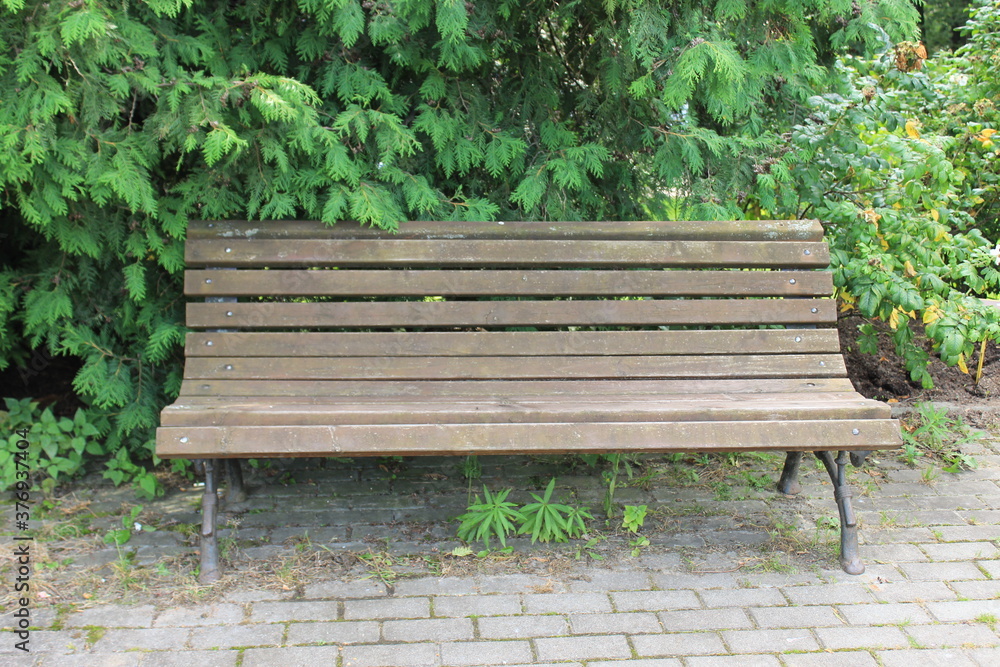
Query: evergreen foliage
(119, 122)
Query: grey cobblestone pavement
(735, 574)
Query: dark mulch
(882, 376)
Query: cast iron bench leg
(789, 482)
(850, 560)
(235, 491)
(209, 539)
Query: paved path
(931, 594)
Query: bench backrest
(309, 309)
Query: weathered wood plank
(521, 368)
(505, 389)
(504, 253)
(511, 313)
(720, 230)
(532, 438)
(510, 343)
(266, 412)
(348, 282)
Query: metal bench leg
(235, 491)
(209, 539)
(850, 560)
(789, 482)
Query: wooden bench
(515, 337)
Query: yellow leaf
(931, 314)
(894, 319)
(935, 215)
(908, 269)
(961, 364)
(942, 234)
(885, 244)
(987, 133)
(911, 129)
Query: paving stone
(964, 610)
(926, 658)
(654, 600)
(941, 571)
(977, 590)
(113, 616)
(826, 594)
(705, 619)
(991, 567)
(769, 641)
(468, 654)
(392, 655)
(744, 597)
(884, 614)
(477, 605)
(984, 532)
(92, 659)
(252, 595)
(51, 641)
(838, 659)
(437, 586)
(961, 551)
(517, 583)
(269, 634)
(388, 608)
(602, 581)
(628, 623)
(678, 643)
(583, 647)
(210, 614)
(297, 656)
(909, 591)
(701, 582)
(985, 657)
(277, 612)
(893, 553)
(862, 638)
(953, 635)
(428, 629)
(566, 603)
(646, 662)
(733, 661)
(146, 639)
(522, 627)
(339, 632)
(340, 590)
(189, 658)
(795, 617)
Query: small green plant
(492, 517)
(587, 549)
(120, 536)
(932, 432)
(57, 445)
(546, 521)
(929, 474)
(635, 517)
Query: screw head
(208, 281)
(229, 367)
(792, 281)
(808, 252)
(798, 339)
(210, 343)
(815, 310)
(229, 313)
(856, 432)
(184, 439)
(229, 249)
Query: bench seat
(516, 337)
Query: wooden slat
(520, 368)
(266, 412)
(504, 253)
(731, 230)
(510, 343)
(349, 282)
(511, 313)
(534, 438)
(509, 389)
